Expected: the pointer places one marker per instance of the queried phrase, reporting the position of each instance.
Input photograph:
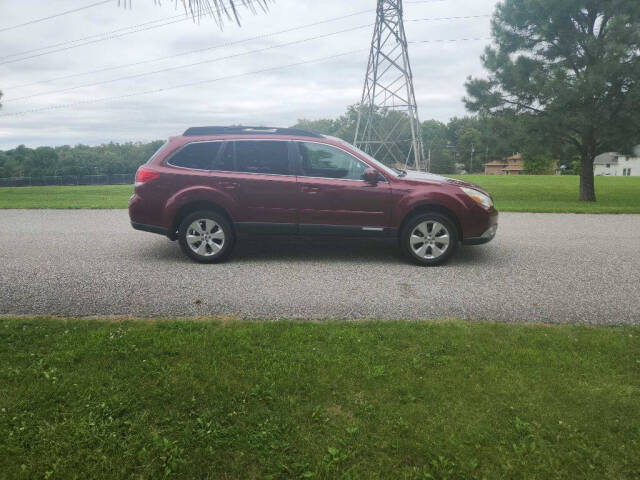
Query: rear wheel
(206, 236)
(429, 239)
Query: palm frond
(219, 10)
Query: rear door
(266, 184)
(190, 166)
(332, 196)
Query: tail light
(144, 175)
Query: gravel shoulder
(558, 268)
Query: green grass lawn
(366, 400)
(511, 194)
(552, 193)
(85, 196)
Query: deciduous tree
(573, 65)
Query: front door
(332, 196)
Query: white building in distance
(618, 165)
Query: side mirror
(371, 176)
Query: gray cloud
(276, 97)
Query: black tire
(210, 254)
(431, 220)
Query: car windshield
(380, 165)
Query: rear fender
(197, 194)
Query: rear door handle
(310, 189)
(229, 185)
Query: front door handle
(309, 189)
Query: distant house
(509, 166)
(459, 169)
(617, 165)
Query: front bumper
(488, 235)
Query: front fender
(418, 200)
(472, 219)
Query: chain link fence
(106, 179)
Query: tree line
(110, 158)
(462, 144)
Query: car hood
(423, 177)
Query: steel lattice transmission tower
(388, 124)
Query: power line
(183, 85)
(451, 40)
(100, 37)
(217, 59)
(109, 34)
(188, 52)
(37, 20)
(178, 67)
(91, 37)
(448, 18)
(227, 44)
(201, 82)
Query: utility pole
(454, 150)
(473, 150)
(486, 159)
(389, 95)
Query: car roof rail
(241, 130)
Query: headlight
(478, 197)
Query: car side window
(318, 160)
(199, 155)
(224, 161)
(255, 156)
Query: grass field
(543, 193)
(89, 196)
(367, 400)
(511, 194)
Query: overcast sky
(274, 97)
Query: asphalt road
(540, 268)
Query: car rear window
(257, 156)
(199, 155)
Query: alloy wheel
(430, 240)
(205, 237)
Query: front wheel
(205, 236)
(429, 239)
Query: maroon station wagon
(213, 184)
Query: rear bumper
(145, 217)
(488, 235)
(151, 228)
